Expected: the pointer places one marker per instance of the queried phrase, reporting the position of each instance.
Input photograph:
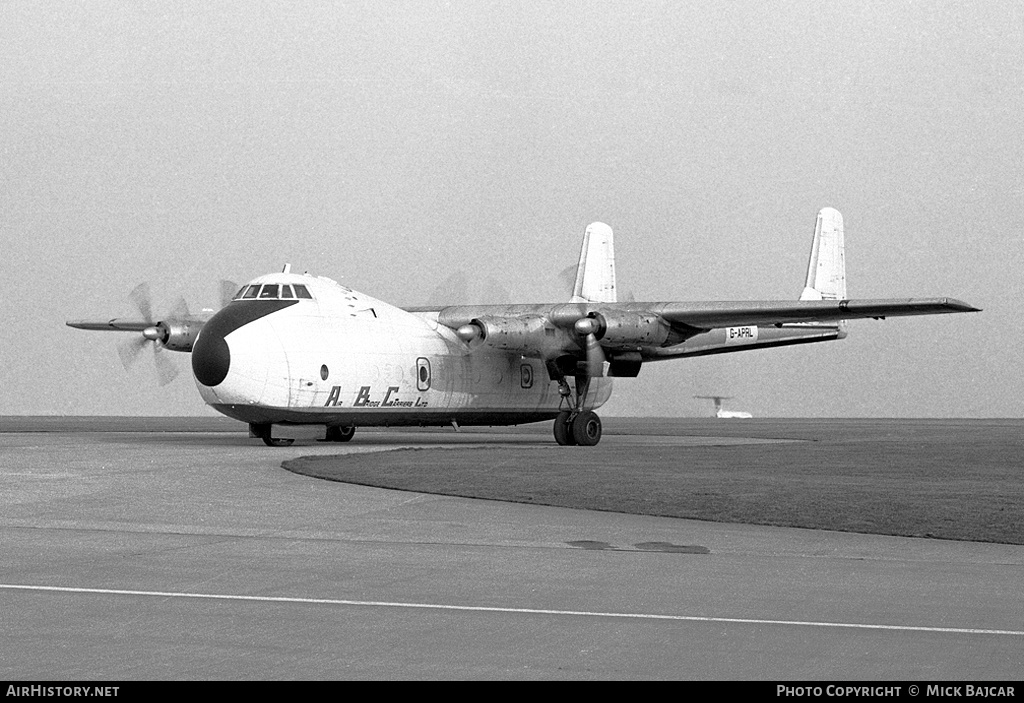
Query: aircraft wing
(711, 315)
(175, 334)
(628, 333)
(716, 315)
(115, 325)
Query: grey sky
(424, 149)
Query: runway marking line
(492, 609)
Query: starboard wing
(717, 315)
(627, 334)
(712, 315)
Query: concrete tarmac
(193, 555)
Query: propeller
(455, 290)
(155, 334)
(568, 278)
(588, 327)
(228, 289)
(469, 333)
(495, 293)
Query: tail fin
(595, 275)
(826, 271)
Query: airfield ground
(946, 479)
(915, 478)
(162, 548)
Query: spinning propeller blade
(129, 351)
(587, 328)
(143, 301)
(166, 370)
(227, 292)
(155, 334)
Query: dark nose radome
(211, 358)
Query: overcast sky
(427, 152)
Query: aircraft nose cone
(211, 357)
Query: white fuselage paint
(383, 366)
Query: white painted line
(525, 611)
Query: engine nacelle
(529, 335)
(178, 335)
(630, 330)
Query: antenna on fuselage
(287, 268)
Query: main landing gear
(336, 433)
(583, 428)
(264, 432)
(575, 426)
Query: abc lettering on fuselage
(363, 399)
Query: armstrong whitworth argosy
(293, 349)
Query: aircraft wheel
(563, 429)
(339, 434)
(265, 433)
(586, 429)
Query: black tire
(586, 429)
(340, 434)
(265, 432)
(563, 430)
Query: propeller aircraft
(296, 349)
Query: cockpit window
(273, 291)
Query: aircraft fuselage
(343, 358)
